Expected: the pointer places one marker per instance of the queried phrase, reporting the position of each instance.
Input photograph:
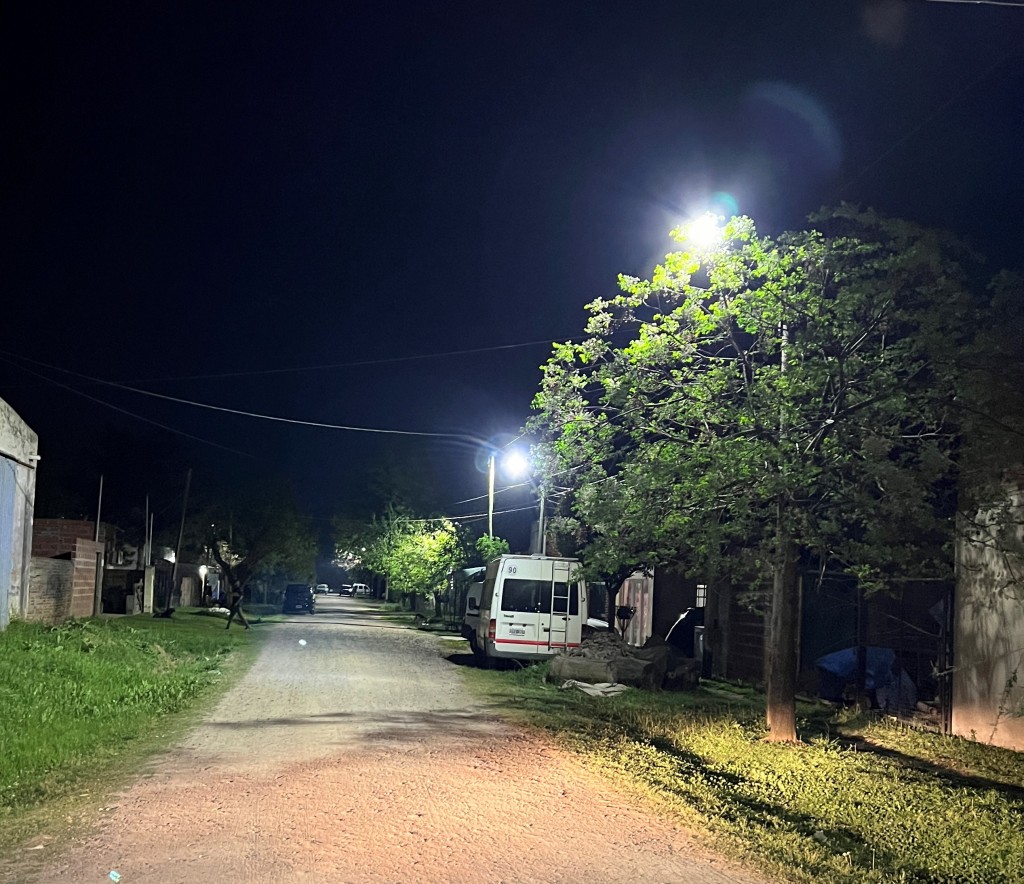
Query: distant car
(345, 589)
(360, 589)
(299, 597)
(321, 589)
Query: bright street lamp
(704, 232)
(514, 465)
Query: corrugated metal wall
(638, 593)
(8, 489)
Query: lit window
(702, 595)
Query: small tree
(415, 556)
(490, 547)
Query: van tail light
(492, 629)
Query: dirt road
(351, 753)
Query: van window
(534, 597)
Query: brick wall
(64, 587)
(83, 587)
(49, 593)
(56, 537)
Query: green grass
(866, 800)
(77, 698)
(861, 800)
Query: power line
(125, 410)
(223, 409)
(980, 2)
(332, 365)
(474, 517)
(941, 109)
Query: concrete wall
(988, 640)
(19, 447)
(50, 596)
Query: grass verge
(860, 800)
(83, 702)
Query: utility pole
(99, 511)
(181, 532)
(490, 496)
(144, 552)
(541, 527)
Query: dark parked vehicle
(299, 597)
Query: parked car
(299, 597)
(345, 589)
(321, 589)
(360, 589)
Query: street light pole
(490, 496)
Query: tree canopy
(767, 403)
(256, 531)
(413, 555)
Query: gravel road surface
(359, 757)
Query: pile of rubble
(603, 657)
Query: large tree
(766, 404)
(256, 531)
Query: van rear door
(536, 609)
(560, 606)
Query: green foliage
(490, 548)
(880, 803)
(414, 555)
(74, 696)
(816, 371)
(765, 402)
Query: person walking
(235, 608)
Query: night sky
(313, 210)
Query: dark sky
(211, 200)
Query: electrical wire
(332, 365)
(220, 408)
(980, 3)
(474, 517)
(125, 411)
(941, 109)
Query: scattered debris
(302, 642)
(604, 658)
(603, 689)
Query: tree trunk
(782, 644)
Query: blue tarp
(836, 671)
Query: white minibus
(528, 608)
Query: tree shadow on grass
(736, 808)
(949, 776)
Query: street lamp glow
(515, 465)
(704, 232)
